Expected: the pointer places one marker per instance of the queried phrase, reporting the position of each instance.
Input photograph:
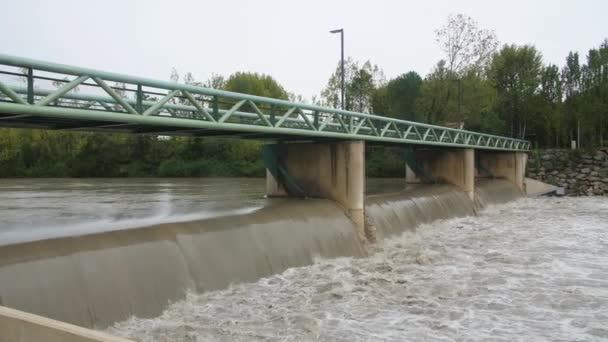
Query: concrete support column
(508, 165)
(452, 166)
(332, 170)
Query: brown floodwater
(95, 252)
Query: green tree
(571, 80)
(434, 103)
(477, 110)
(441, 103)
(402, 94)
(360, 90)
(515, 71)
(360, 84)
(255, 84)
(549, 125)
(594, 94)
(380, 101)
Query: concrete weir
(97, 279)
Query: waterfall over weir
(395, 213)
(97, 279)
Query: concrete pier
(508, 165)
(331, 170)
(451, 166)
(336, 171)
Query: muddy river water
(533, 269)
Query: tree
(360, 90)
(330, 96)
(550, 84)
(466, 46)
(550, 119)
(255, 84)
(360, 84)
(248, 152)
(571, 79)
(594, 94)
(477, 109)
(434, 102)
(571, 75)
(515, 71)
(440, 102)
(544, 110)
(293, 97)
(402, 94)
(216, 82)
(380, 101)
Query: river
(33, 208)
(532, 269)
(49, 207)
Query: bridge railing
(88, 94)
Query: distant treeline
(479, 86)
(37, 153)
(507, 91)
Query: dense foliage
(508, 91)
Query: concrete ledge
(19, 326)
(537, 188)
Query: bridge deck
(56, 96)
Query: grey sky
(288, 40)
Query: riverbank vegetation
(479, 85)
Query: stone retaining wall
(580, 173)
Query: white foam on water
(532, 270)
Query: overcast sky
(288, 40)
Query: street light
(459, 81)
(341, 32)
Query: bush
(385, 162)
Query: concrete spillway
(495, 191)
(95, 280)
(392, 214)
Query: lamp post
(460, 101)
(459, 81)
(341, 32)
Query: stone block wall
(580, 173)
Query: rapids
(535, 269)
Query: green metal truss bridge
(37, 94)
